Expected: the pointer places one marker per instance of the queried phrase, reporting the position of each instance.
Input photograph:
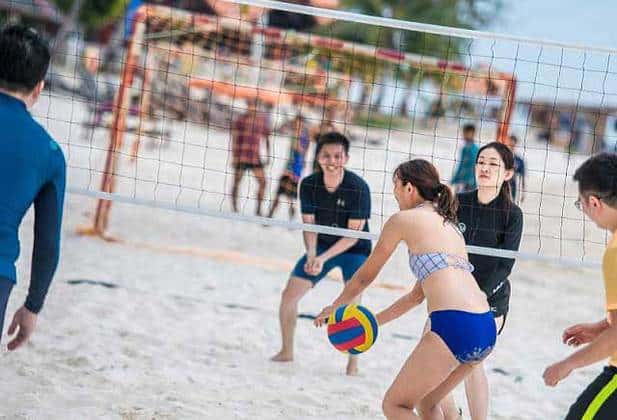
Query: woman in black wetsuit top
(489, 218)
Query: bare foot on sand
(282, 357)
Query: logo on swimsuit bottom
(499, 286)
(462, 227)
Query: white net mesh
(186, 78)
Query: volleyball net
(162, 130)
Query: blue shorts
(348, 263)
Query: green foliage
(95, 13)
(467, 14)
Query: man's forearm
(39, 283)
(339, 247)
(600, 348)
(310, 242)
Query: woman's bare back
(425, 231)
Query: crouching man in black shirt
(333, 197)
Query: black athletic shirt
(497, 224)
(351, 200)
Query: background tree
(90, 14)
(468, 14)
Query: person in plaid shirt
(247, 133)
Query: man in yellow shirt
(597, 185)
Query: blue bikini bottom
(469, 336)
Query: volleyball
(352, 329)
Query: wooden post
(121, 106)
(503, 131)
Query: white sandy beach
(189, 329)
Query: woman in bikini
(462, 331)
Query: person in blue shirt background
(464, 178)
(288, 182)
(32, 171)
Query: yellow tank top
(609, 268)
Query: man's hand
(580, 334)
(309, 263)
(23, 323)
(557, 372)
(314, 265)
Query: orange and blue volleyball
(352, 329)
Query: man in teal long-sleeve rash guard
(32, 171)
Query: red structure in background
(165, 17)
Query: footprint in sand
(80, 361)
(128, 352)
(25, 371)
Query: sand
(188, 329)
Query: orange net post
(121, 105)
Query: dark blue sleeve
(362, 210)
(307, 201)
(48, 206)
